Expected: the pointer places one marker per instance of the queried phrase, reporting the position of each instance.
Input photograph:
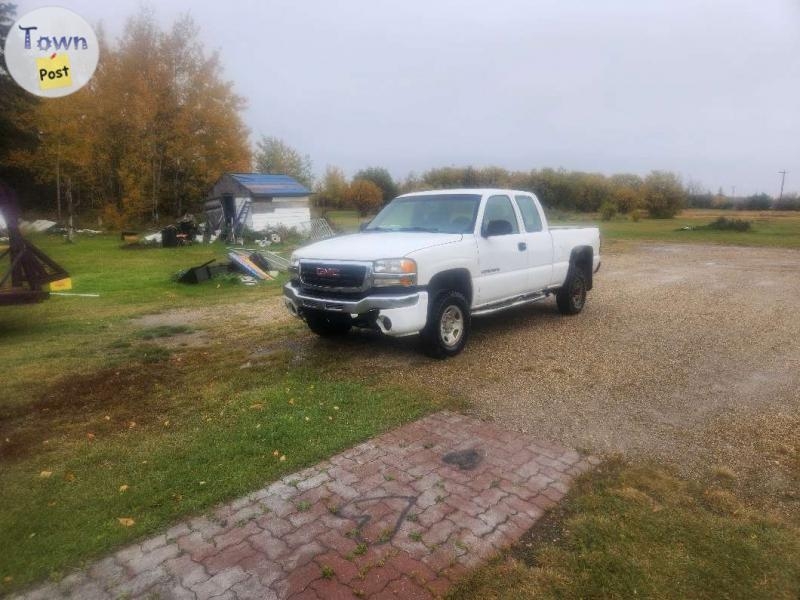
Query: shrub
(608, 210)
(664, 196)
(364, 196)
(726, 224)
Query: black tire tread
(431, 344)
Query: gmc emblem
(327, 272)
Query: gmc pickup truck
(429, 261)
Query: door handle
(522, 246)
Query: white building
(258, 202)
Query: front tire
(448, 326)
(571, 298)
(327, 325)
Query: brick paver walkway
(401, 516)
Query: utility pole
(783, 179)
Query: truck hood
(374, 246)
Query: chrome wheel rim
(451, 326)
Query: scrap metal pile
(252, 266)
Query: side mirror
(498, 227)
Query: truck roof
(481, 191)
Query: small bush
(636, 215)
(726, 224)
(608, 210)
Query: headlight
(394, 271)
(294, 264)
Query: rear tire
(448, 326)
(327, 325)
(571, 298)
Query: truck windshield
(440, 213)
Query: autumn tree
(331, 192)
(13, 100)
(150, 133)
(273, 155)
(664, 196)
(364, 196)
(382, 178)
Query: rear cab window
(530, 214)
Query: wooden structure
(29, 270)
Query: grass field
(102, 419)
(769, 228)
(345, 220)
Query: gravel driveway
(686, 354)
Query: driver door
(502, 253)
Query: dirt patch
(124, 395)
(269, 311)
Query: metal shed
(258, 202)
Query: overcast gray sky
(707, 88)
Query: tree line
(660, 193)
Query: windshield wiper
(427, 229)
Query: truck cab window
(530, 216)
(499, 208)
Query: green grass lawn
(100, 420)
(769, 228)
(628, 531)
(345, 221)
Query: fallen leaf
(308, 418)
(202, 483)
(45, 474)
(8, 579)
(330, 418)
(123, 488)
(283, 457)
(166, 423)
(107, 418)
(291, 400)
(132, 424)
(126, 521)
(51, 503)
(258, 426)
(335, 408)
(69, 477)
(256, 406)
(90, 435)
(275, 453)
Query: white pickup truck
(429, 261)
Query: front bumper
(393, 315)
